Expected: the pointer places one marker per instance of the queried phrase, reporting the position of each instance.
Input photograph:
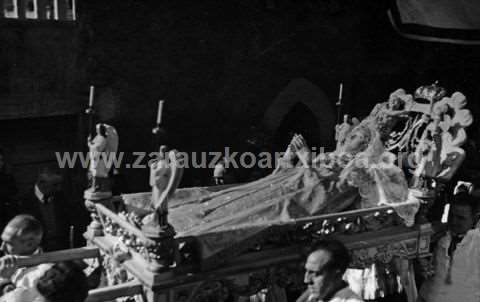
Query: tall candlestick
(72, 236)
(340, 93)
(90, 100)
(159, 113)
(339, 104)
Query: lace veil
(378, 179)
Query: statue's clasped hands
(300, 147)
(298, 142)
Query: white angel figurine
(101, 150)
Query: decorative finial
(431, 93)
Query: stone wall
(219, 65)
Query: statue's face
(356, 141)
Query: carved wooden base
(95, 228)
(270, 272)
(162, 248)
(100, 188)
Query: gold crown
(432, 93)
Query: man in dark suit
(47, 203)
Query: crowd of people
(456, 262)
(47, 282)
(40, 222)
(45, 200)
(37, 220)
(456, 278)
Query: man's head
(49, 182)
(325, 267)
(22, 235)
(463, 214)
(65, 281)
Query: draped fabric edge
(431, 34)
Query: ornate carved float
(213, 267)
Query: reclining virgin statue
(318, 185)
(359, 173)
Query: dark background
(219, 65)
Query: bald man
(21, 237)
(324, 270)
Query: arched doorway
(301, 107)
(300, 120)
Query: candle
(159, 113)
(340, 93)
(90, 100)
(72, 236)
